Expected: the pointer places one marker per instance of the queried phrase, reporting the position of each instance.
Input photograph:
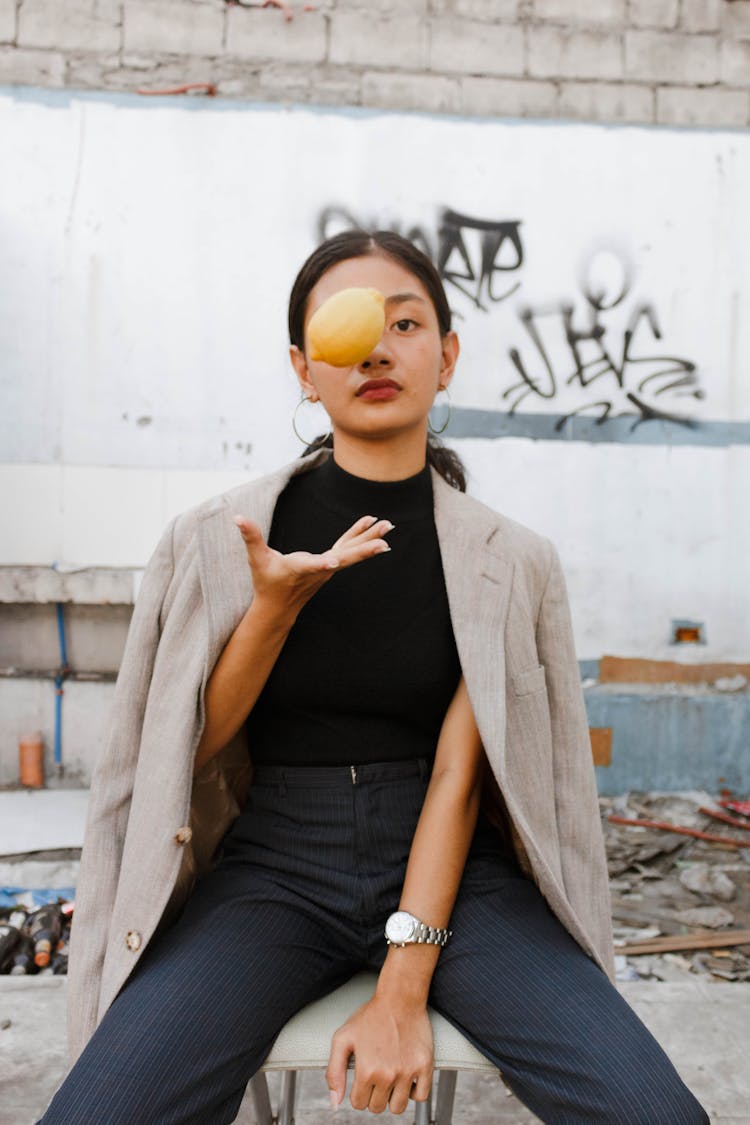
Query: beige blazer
(151, 825)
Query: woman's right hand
(284, 583)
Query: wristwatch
(403, 928)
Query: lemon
(346, 327)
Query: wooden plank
(671, 943)
(635, 670)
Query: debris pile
(679, 869)
(35, 941)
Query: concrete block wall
(672, 62)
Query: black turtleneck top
(370, 665)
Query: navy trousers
(297, 904)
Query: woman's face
(411, 354)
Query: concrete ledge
(85, 586)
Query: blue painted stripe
(631, 429)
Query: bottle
(10, 935)
(45, 925)
(22, 961)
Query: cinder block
(84, 25)
(87, 71)
(605, 101)
(391, 7)
(654, 13)
(431, 93)
(700, 15)
(734, 62)
(663, 57)
(31, 68)
(686, 105)
(466, 47)
(173, 27)
(555, 53)
(735, 17)
(165, 72)
(573, 12)
(267, 35)
(308, 85)
(509, 97)
(7, 21)
(495, 11)
(359, 40)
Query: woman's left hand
(393, 1049)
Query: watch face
(400, 926)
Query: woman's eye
(403, 324)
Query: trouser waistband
(359, 773)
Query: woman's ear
(299, 363)
(450, 348)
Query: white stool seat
(305, 1042)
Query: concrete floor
(704, 1027)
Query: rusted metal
(664, 827)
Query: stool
(304, 1044)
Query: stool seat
(305, 1041)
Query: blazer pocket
(533, 680)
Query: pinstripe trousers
(297, 903)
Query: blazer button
(183, 835)
(133, 940)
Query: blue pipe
(60, 676)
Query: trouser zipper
(354, 774)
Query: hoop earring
(294, 422)
(444, 426)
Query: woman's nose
(378, 357)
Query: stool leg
(423, 1111)
(287, 1097)
(261, 1098)
(446, 1093)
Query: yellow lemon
(346, 327)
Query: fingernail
(334, 1099)
(237, 520)
(384, 547)
(391, 525)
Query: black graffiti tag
(500, 252)
(618, 361)
(470, 253)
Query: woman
(419, 748)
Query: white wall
(146, 254)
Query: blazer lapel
(478, 583)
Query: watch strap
(429, 935)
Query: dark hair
(360, 244)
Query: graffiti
(468, 252)
(624, 365)
(571, 350)
(332, 220)
(497, 242)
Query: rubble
(712, 916)
(675, 885)
(704, 880)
